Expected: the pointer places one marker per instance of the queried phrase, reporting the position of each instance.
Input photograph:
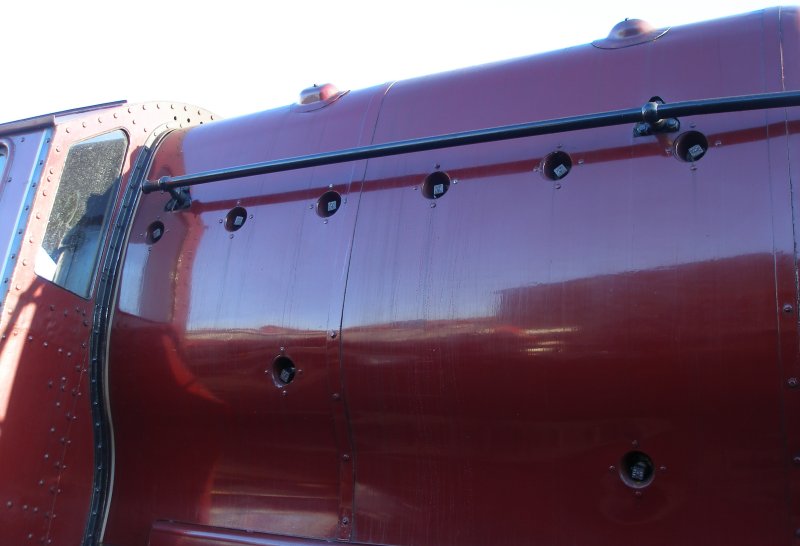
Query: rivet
(345, 457)
(332, 333)
(662, 468)
(612, 468)
(335, 396)
(638, 494)
(116, 115)
(9, 504)
(787, 308)
(345, 520)
(635, 443)
(83, 125)
(68, 129)
(793, 382)
(433, 205)
(284, 393)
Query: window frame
(52, 276)
(5, 146)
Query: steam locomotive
(545, 301)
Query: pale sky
(236, 57)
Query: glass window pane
(71, 246)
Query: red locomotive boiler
(548, 301)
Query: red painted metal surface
(46, 444)
(470, 369)
(249, 454)
(502, 347)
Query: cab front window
(79, 219)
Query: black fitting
(652, 122)
(181, 199)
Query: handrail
(650, 113)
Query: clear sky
(236, 57)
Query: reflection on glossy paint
(132, 284)
(279, 284)
(11, 354)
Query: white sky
(235, 57)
